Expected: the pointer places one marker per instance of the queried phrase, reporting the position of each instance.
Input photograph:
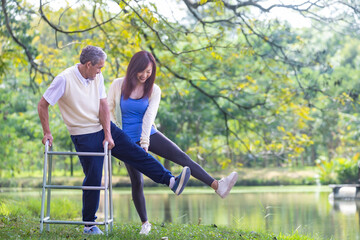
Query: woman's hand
(145, 149)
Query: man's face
(92, 70)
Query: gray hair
(92, 54)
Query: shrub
(347, 171)
(338, 170)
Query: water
(272, 209)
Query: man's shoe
(225, 184)
(93, 230)
(145, 228)
(181, 181)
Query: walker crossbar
(74, 222)
(77, 153)
(75, 187)
(108, 203)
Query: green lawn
(20, 220)
(19, 227)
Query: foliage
(339, 170)
(238, 88)
(327, 171)
(347, 171)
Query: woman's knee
(137, 182)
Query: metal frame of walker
(108, 203)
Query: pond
(307, 210)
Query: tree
(247, 86)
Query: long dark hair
(138, 63)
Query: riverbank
(247, 177)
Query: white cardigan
(149, 116)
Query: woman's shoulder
(118, 80)
(117, 83)
(156, 88)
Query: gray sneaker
(93, 230)
(225, 184)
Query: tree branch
(23, 46)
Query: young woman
(134, 102)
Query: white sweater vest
(79, 106)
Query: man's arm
(104, 117)
(43, 111)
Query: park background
(267, 88)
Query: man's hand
(145, 149)
(110, 141)
(47, 137)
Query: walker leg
(106, 185)
(49, 191)
(43, 189)
(110, 193)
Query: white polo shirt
(57, 87)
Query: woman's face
(144, 75)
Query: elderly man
(80, 94)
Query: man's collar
(78, 74)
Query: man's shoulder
(67, 71)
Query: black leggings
(164, 147)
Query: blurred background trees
(244, 83)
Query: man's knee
(94, 177)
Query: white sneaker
(225, 184)
(145, 228)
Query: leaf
(356, 157)
(36, 39)
(225, 163)
(304, 113)
(280, 128)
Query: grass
(19, 227)
(19, 220)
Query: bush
(338, 170)
(347, 171)
(326, 170)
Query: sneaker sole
(182, 180)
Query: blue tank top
(132, 112)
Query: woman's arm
(114, 100)
(149, 117)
